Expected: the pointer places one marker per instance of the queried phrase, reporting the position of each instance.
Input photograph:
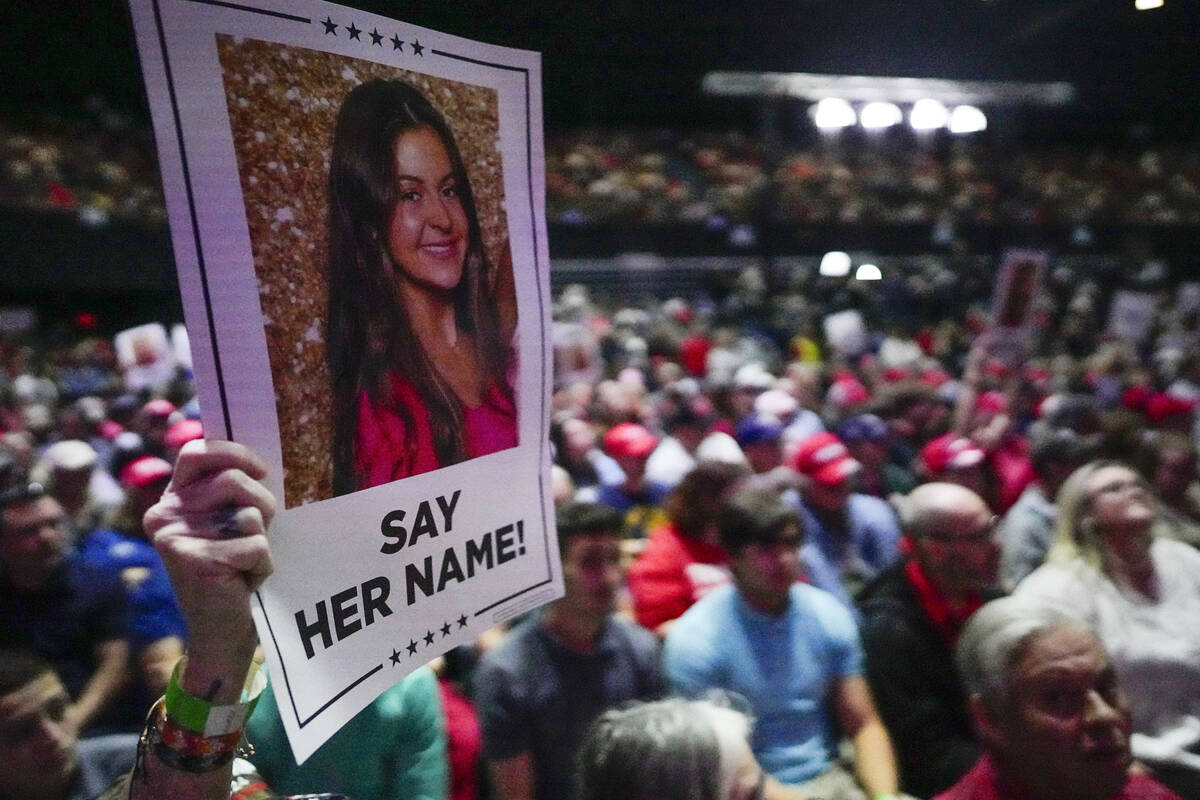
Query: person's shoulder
(513, 649)
(111, 548)
(1053, 578)
(1143, 787)
(103, 760)
(416, 691)
(977, 784)
(887, 594)
(871, 507)
(91, 577)
(1174, 552)
(825, 608)
(641, 639)
(707, 615)
(665, 541)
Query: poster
(1017, 285)
(846, 332)
(1131, 315)
(356, 210)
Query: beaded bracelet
(184, 750)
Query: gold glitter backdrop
(282, 105)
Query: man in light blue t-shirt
(789, 649)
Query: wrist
(215, 673)
(219, 712)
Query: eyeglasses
(21, 493)
(983, 534)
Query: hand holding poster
(356, 211)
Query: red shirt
(672, 573)
(984, 783)
(387, 449)
(1013, 469)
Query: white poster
(1131, 315)
(356, 209)
(846, 332)
(1018, 282)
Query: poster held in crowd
(356, 210)
(1131, 315)
(1018, 282)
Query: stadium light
(835, 264)
(868, 272)
(1146, 5)
(877, 115)
(967, 119)
(927, 115)
(833, 113)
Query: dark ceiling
(641, 61)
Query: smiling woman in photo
(418, 354)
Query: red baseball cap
(995, 402)
(630, 440)
(158, 407)
(847, 392)
(825, 459)
(184, 431)
(951, 451)
(144, 471)
(1161, 406)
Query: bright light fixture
(967, 119)
(833, 113)
(880, 115)
(927, 115)
(1146, 5)
(835, 264)
(868, 272)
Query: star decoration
(428, 638)
(412, 647)
(395, 656)
(462, 621)
(397, 44)
(376, 37)
(354, 32)
(445, 629)
(329, 27)
(418, 48)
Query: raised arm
(210, 529)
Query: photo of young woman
(420, 322)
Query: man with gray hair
(1045, 702)
(912, 614)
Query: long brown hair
(370, 339)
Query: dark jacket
(910, 668)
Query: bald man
(912, 615)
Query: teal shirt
(394, 749)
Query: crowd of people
(597, 177)
(100, 165)
(791, 529)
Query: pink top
(386, 450)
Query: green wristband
(200, 716)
